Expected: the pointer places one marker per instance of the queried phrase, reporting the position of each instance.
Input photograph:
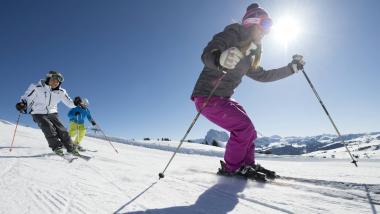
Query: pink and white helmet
(257, 15)
(85, 102)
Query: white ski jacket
(41, 99)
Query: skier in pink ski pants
(229, 52)
(230, 115)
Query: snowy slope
(33, 181)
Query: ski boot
(73, 151)
(268, 173)
(245, 171)
(223, 171)
(58, 151)
(250, 173)
(80, 148)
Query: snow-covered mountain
(216, 138)
(364, 145)
(33, 180)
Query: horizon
(198, 138)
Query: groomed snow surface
(32, 180)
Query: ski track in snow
(325, 188)
(47, 199)
(228, 195)
(34, 180)
(300, 183)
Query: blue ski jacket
(83, 113)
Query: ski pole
(161, 174)
(109, 141)
(14, 133)
(328, 115)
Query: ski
(259, 177)
(89, 150)
(84, 157)
(81, 149)
(68, 158)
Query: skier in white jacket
(40, 100)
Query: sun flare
(286, 30)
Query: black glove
(21, 107)
(93, 123)
(77, 101)
(76, 113)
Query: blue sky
(137, 62)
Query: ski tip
(71, 160)
(160, 175)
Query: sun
(286, 30)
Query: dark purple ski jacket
(234, 35)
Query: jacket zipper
(47, 109)
(49, 101)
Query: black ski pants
(55, 133)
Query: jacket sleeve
(30, 94)
(89, 117)
(262, 75)
(220, 42)
(66, 99)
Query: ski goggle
(265, 23)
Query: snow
(187, 148)
(362, 150)
(278, 144)
(34, 181)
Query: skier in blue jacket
(77, 116)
